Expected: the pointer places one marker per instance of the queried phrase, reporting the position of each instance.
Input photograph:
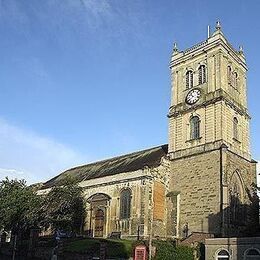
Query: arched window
(189, 79)
(235, 80)
(252, 253)
(235, 128)
(202, 74)
(237, 209)
(223, 254)
(229, 74)
(195, 127)
(125, 204)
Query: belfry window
(235, 128)
(125, 204)
(202, 74)
(194, 127)
(189, 79)
(229, 74)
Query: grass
(115, 248)
(165, 250)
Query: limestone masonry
(201, 182)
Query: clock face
(193, 96)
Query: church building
(202, 181)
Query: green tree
(20, 207)
(64, 206)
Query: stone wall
(237, 248)
(242, 173)
(196, 180)
(148, 210)
(139, 184)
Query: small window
(235, 128)
(223, 254)
(194, 127)
(125, 204)
(189, 79)
(202, 74)
(229, 74)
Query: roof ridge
(115, 157)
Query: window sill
(195, 86)
(194, 140)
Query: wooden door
(99, 223)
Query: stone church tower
(201, 182)
(212, 171)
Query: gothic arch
(236, 184)
(237, 207)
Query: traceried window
(223, 254)
(237, 210)
(235, 128)
(194, 127)
(125, 204)
(189, 79)
(202, 74)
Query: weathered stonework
(196, 179)
(200, 185)
(213, 173)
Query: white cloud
(25, 154)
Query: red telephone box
(140, 253)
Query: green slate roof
(125, 163)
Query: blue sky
(82, 80)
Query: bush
(166, 250)
(184, 253)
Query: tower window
(202, 74)
(189, 79)
(235, 80)
(194, 127)
(125, 204)
(235, 128)
(229, 74)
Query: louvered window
(202, 74)
(189, 79)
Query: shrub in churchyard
(64, 207)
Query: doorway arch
(99, 214)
